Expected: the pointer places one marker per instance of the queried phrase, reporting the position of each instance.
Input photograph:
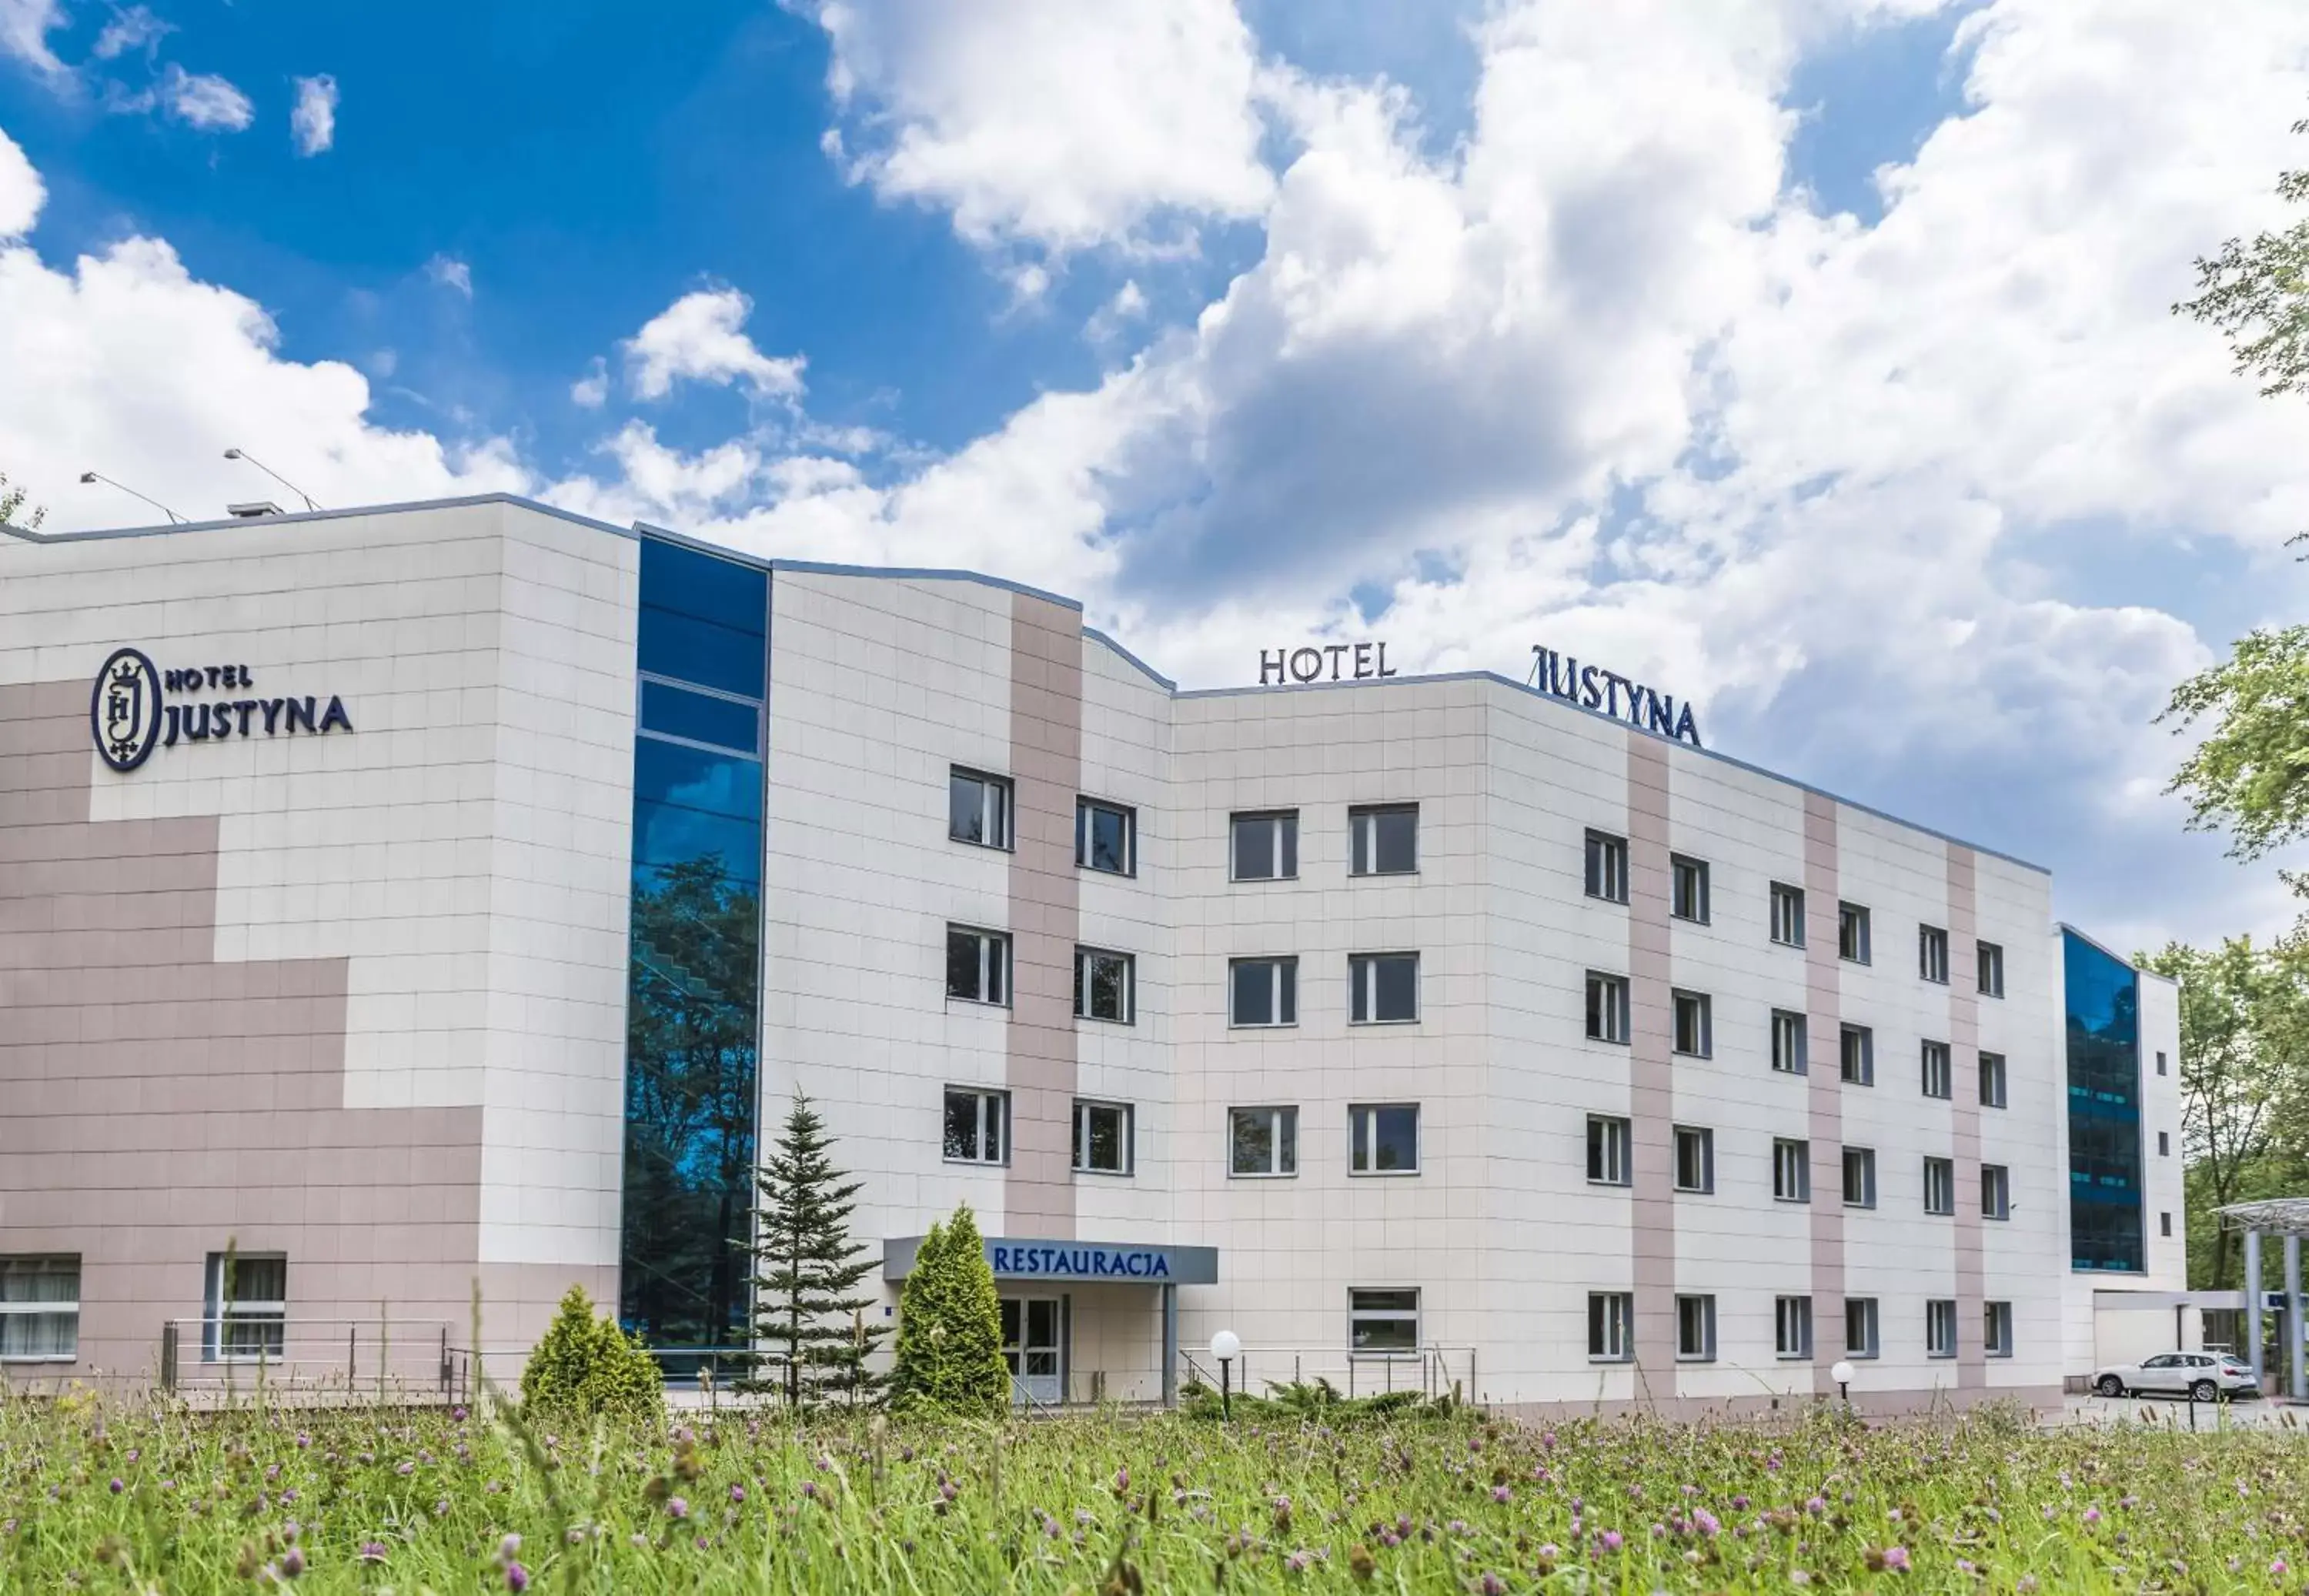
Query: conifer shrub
(949, 1349)
(585, 1367)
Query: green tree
(586, 1368)
(2258, 295)
(949, 1354)
(806, 1304)
(2249, 776)
(12, 500)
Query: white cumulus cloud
(22, 192)
(134, 29)
(701, 337)
(450, 273)
(312, 120)
(24, 29)
(204, 101)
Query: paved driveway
(2173, 1412)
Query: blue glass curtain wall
(693, 998)
(2103, 1003)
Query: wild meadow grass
(110, 1497)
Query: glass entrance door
(1030, 1346)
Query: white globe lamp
(1226, 1346)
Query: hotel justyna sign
(1593, 688)
(130, 713)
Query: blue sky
(1530, 321)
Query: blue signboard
(1126, 1262)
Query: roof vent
(252, 510)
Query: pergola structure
(2287, 1217)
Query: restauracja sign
(129, 713)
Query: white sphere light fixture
(1226, 1346)
(1841, 1373)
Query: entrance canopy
(1120, 1263)
(2275, 1216)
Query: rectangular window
(1791, 1319)
(1856, 1045)
(1610, 1155)
(1860, 1177)
(1791, 1171)
(1787, 914)
(1263, 992)
(1103, 1138)
(1106, 837)
(1939, 1328)
(1996, 1329)
(1607, 1006)
(1607, 867)
(2160, 1063)
(1105, 986)
(1995, 1192)
(1695, 1329)
(1789, 1040)
(2164, 1143)
(1262, 1141)
(1610, 1327)
(1687, 888)
(39, 1309)
(245, 1307)
(1382, 1323)
(1860, 1327)
(1383, 1139)
(1939, 1186)
(1383, 841)
(1991, 1080)
(2165, 1226)
(977, 1126)
(1851, 933)
(701, 715)
(1695, 1159)
(1939, 1073)
(1383, 989)
(1931, 953)
(1694, 1027)
(1265, 847)
(978, 809)
(977, 965)
(1992, 970)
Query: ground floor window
(39, 1309)
(1996, 1329)
(1610, 1327)
(246, 1313)
(1860, 1327)
(1939, 1328)
(1695, 1329)
(1792, 1317)
(1382, 1320)
(1262, 1141)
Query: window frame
(1282, 986)
(1854, 933)
(1997, 1329)
(1994, 1074)
(1865, 1035)
(1704, 1303)
(1610, 1327)
(1005, 823)
(1085, 807)
(1791, 1314)
(1362, 817)
(37, 1265)
(1362, 1141)
(1703, 1137)
(1611, 1151)
(1863, 1159)
(1684, 868)
(1084, 1106)
(1364, 989)
(1996, 1192)
(1277, 820)
(1703, 1008)
(1606, 859)
(1797, 1059)
(1615, 1013)
(1929, 1053)
(1282, 1147)
(1990, 956)
(221, 1315)
(1942, 1172)
(1000, 1099)
(1870, 1322)
(1931, 952)
(1384, 1314)
(1787, 914)
(1791, 1170)
(1939, 1312)
(1084, 958)
(995, 970)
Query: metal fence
(1432, 1371)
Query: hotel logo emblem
(128, 717)
(123, 713)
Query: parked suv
(2204, 1376)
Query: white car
(2205, 1375)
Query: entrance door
(1030, 1346)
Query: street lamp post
(1842, 1375)
(1226, 1346)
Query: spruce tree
(950, 1325)
(806, 1304)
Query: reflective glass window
(699, 650)
(677, 711)
(2103, 1026)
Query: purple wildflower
(372, 1551)
(676, 1507)
(1501, 1493)
(509, 1548)
(116, 1487)
(292, 1563)
(516, 1577)
(1613, 1541)
(738, 1493)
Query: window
(1383, 841)
(1931, 953)
(1860, 1327)
(1851, 933)
(1383, 1139)
(1787, 914)
(1106, 837)
(1694, 1030)
(1382, 1323)
(2164, 1144)
(1856, 1045)
(977, 1126)
(1695, 1159)
(1695, 1329)
(1996, 1329)
(1383, 989)
(725, 722)
(1608, 1155)
(978, 809)
(1792, 1318)
(1687, 888)
(977, 965)
(1992, 970)
(1102, 1139)
(1105, 986)
(2160, 1062)
(1939, 1328)
(1265, 847)
(1791, 1171)
(39, 1309)
(1788, 1039)
(245, 1310)
(1938, 1072)
(2164, 1225)
(1860, 1177)
(1939, 1186)
(1263, 992)
(1262, 1141)
(1610, 1327)
(1607, 867)
(1991, 1080)
(1995, 1192)
(1607, 1008)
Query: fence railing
(1433, 1371)
(363, 1359)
